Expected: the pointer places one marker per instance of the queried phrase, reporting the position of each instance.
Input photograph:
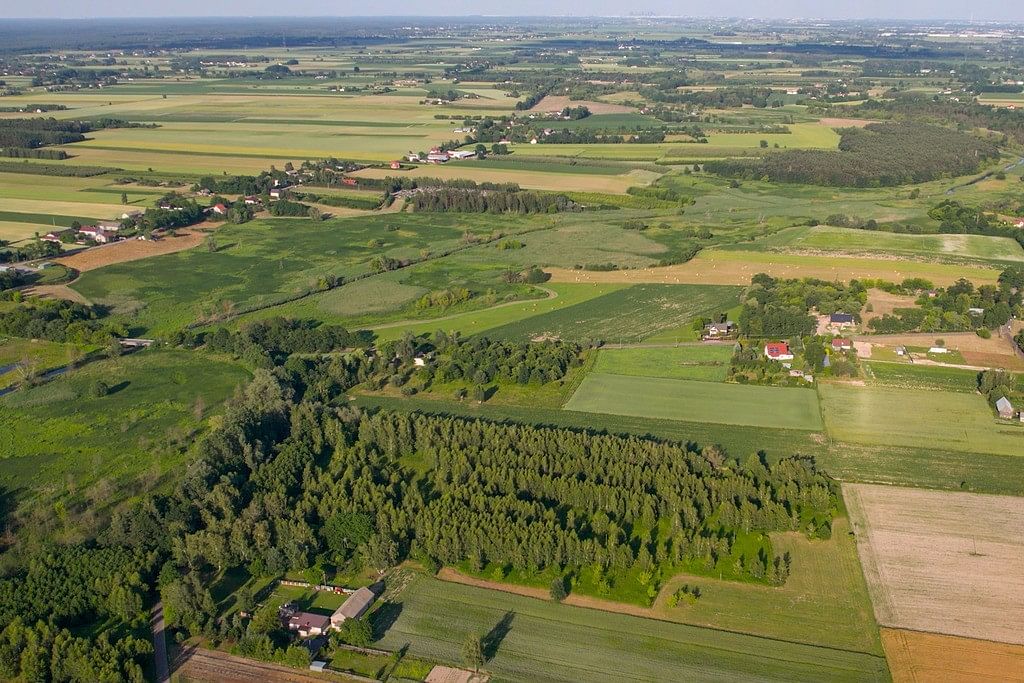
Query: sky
(979, 10)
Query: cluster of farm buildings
(310, 624)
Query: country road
(156, 621)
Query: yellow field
(41, 206)
(13, 232)
(715, 267)
(916, 657)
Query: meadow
(694, 401)
(929, 247)
(625, 315)
(709, 363)
(889, 416)
(59, 438)
(544, 641)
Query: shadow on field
(384, 618)
(492, 641)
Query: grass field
(932, 247)
(626, 315)
(58, 433)
(756, 406)
(912, 376)
(889, 416)
(263, 262)
(709, 363)
(944, 562)
(39, 354)
(824, 601)
(544, 641)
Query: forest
(491, 201)
(959, 307)
(880, 154)
(780, 308)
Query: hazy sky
(1001, 10)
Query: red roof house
(778, 351)
(839, 344)
(219, 209)
(396, 165)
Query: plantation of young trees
(475, 201)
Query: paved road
(156, 621)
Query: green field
(693, 401)
(709, 363)
(37, 354)
(848, 240)
(890, 416)
(158, 403)
(545, 641)
(910, 376)
(626, 315)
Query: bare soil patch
(56, 292)
(559, 102)
(196, 664)
(916, 657)
(132, 250)
(844, 123)
(447, 674)
(941, 561)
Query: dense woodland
(58, 320)
(780, 308)
(880, 154)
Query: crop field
(140, 429)
(709, 363)
(824, 601)
(911, 417)
(848, 240)
(944, 562)
(694, 401)
(544, 641)
(915, 376)
(629, 314)
(916, 657)
(718, 266)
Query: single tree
(473, 652)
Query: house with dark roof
(841, 319)
(308, 624)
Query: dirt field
(844, 123)
(132, 250)
(446, 674)
(220, 667)
(916, 657)
(940, 561)
(711, 269)
(552, 103)
(996, 352)
(56, 292)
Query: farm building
(308, 624)
(396, 165)
(461, 154)
(1004, 408)
(778, 351)
(252, 199)
(938, 349)
(219, 209)
(110, 226)
(354, 607)
(840, 344)
(56, 235)
(438, 157)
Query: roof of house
(841, 318)
(357, 604)
(1003, 404)
(841, 343)
(776, 348)
(307, 620)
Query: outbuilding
(1004, 408)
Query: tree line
(491, 201)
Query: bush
(983, 333)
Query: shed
(1004, 408)
(354, 607)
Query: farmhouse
(110, 226)
(396, 165)
(725, 330)
(354, 607)
(840, 344)
(252, 199)
(219, 209)
(778, 351)
(308, 624)
(56, 235)
(279, 192)
(1004, 408)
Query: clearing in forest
(941, 561)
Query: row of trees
(491, 201)
(59, 320)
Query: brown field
(941, 561)
(884, 302)
(720, 268)
(552, 103)
(132, 250)
(995, 352)
(916, 657)
(844, 123)
(56, 292)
